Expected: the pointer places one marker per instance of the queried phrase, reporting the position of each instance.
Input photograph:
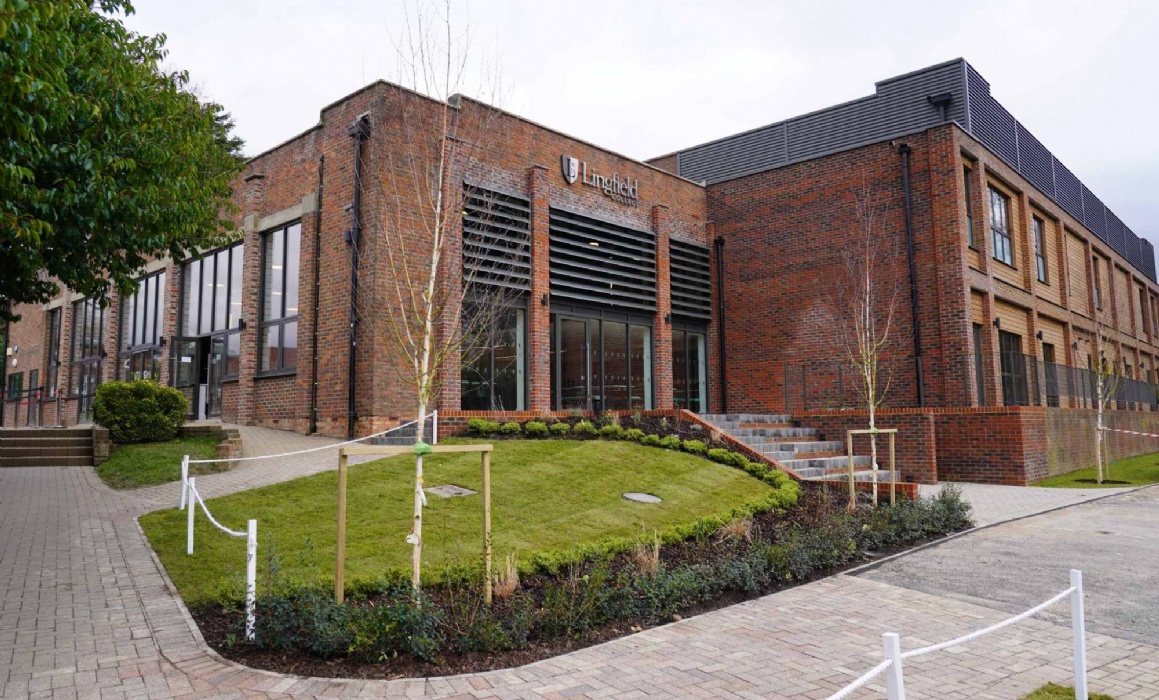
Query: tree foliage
(106, 159)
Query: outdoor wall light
(543, 299)
(668, 319)
(241, 324)
(1038, 335)
(997, 323)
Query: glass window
(280, 260)
(1015, 391)
(969, 207)
(492, 373)
(211, 292)
(689, 371)
(1000, 227)
(1098, 284)
(186, 361)
(1039, 248)
(15, 386)
(52, 366)
(88, 320)
(142, 323)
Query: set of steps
(779, 438)
(46, 447)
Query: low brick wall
(102, 445)
(1071, 436)
(1001, 445)
(229, 444)
(916, 446)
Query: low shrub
(535, 428)
(670, 442)
(482, 426)
(650, 440)
(139, 411)
(560, 428)
(634, 434)
(695, 447)
(585, 427)
(509, 428)
(612, 431)
(732, 459)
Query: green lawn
(132, 466)
(1050, 691)
(1137, 471)
(546, 495)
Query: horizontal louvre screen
(691, 281)
(599, 262)
(496, 239)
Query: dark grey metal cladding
(496, 238)
(900, 106)
(691, 280)
(600, 262)
(1148, 251)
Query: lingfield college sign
(625, 191)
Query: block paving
(86, 612)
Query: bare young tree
(1107, 374)
(410, 297)
(863, 300)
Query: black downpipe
(359, 132)
(904, 150)
(720, 323)
(4, 369)
(317, 290)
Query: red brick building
(1001, 261)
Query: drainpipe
(905, 150)
(720, 322)
(4, 368)
(317, 289)
(359, 132)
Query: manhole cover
(449, 491)
(641, 497)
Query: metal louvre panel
(1117, 236)
(691, 280)
(1094, 214)
(991, 123)
(1148, 252)
(600, 262)
(1069, 190)
(1134, 250)
(496, 239)
(1035, 162)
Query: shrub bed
(383, 629)
(139, 411)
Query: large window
(210, 306)
(969, 207)
(52, 343)
(1000, 226)
(88, 323)
(1098, 284)
(1015, 391)
(689, 370)
(493, 362)
(279, 331)
(1050, 372)
(15, 386)
(600, 364)
(142, 330)
(1040, 248)
(979, 368)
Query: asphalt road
(1016, 565)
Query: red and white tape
(1131, 432)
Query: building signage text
(623, 190)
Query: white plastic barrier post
(251, 577)
(435, 427)
(192, 508)
(894, 681)
(184, 481)
(1078, 624)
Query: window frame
(147, 350)
(91, 355)
(52, 357)
(1098, 283)
(1000, 235)
(284, 320)
(971, 241)
(1038, 233)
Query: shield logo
(570, 167)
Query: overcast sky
(645, 79)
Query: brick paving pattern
(85, 612)
(996, 504)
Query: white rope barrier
(251, 552)
(895, 682)
(1129, 432)
(302, 452)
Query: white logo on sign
(570, 168)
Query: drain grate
(450, 491)
(642, 497)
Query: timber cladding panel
(1013, 320)
(1054, 334)
(1076, 260)
(1122, 293)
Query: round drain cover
(641, 497)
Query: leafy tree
(106, 159)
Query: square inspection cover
(450, 491)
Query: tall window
(1015, 391)
(15, 386)
(1098, 284)
(1143, 311)
(142, 322)
(979, 368)
(1050, 372)
(1000, 226)
(210, 306)
(1040, 248)
(969, 207)
(279, 332)
(52, 342)
(689, 370)
(88, 323)
(493, 363)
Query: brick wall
(992, 446)
(916, 442)
(1071, 435)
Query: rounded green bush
(482, 426)
(139, 411)
(612, 432)
(535, 428)
(670, 442)
(559, 428)
(509, 428)
(650, 440)
(634, 434)
(695, 447)
(585, 427)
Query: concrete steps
(46, 447)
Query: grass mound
(146, 464)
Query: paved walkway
(85, 612)
(996, 504)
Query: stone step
(86, 451)
(763, 443)
(859, 476)
(41, 461)
(14, 433)
(40, 442)
(745, 433)
(825, 463)
(719, 419)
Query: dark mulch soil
(1105, 481)
(221, 627)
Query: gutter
(317, 290)
(359, 132)
(721, 357)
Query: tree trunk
(1099, 430)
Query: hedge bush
(612, 432)
(482, 426)
(535, 428)
(139, 411)
(650, 440)
(585, 427)
(509, 428)
(634, 434)
(670, 442)
(695, 447)
(559, 428)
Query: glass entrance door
(216, 372)
(573, 364)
